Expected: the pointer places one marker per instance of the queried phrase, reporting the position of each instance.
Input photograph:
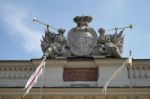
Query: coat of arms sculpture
(82, 41)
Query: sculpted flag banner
(34, 77)
(129, 60)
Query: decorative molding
(15, 72)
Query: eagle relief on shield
(82, 39)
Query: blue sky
(20, 37)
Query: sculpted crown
(82, 20)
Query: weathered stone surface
(82, 41)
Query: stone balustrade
(15, 73)
(139, 72)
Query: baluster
(136, 72)
(25, 73)
(148, 72)
(142, 72)
(16, 73)
(1, 73)
(139, 72)
(20, 73)
(5, 73)
(9, 72)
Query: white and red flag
(34, 77)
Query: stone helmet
(101, 30)
(61, 31)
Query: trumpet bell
(34, 19)
(130, 26)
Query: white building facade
(76, 78)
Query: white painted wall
(105, 72)
(53, 77)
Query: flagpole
(41, 88)
(131, 76)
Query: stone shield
(81, 43)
